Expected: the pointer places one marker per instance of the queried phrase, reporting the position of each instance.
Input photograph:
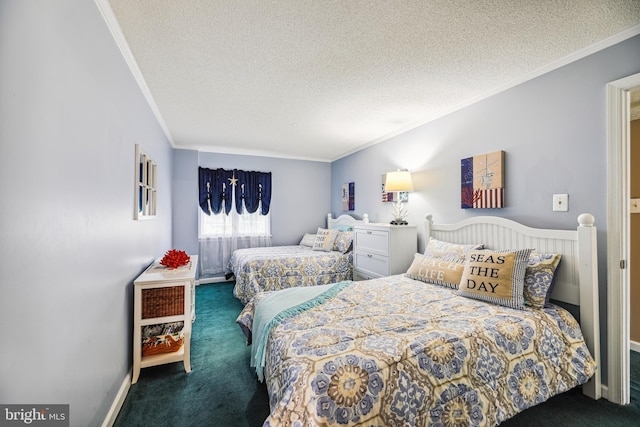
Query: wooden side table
(163, 295)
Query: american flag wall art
(482, 181)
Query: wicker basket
(161, 302)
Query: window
(233, 194)
(234, 224)
(221, 234)
(234, 203)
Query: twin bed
(400, 351)
(280, 267)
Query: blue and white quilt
(395, 352)
(281, 267)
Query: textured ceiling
(321, 79)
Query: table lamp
(399, 182)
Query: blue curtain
(214, 189)
(265, 191)
(251, 188)
(204, 192)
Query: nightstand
(383, 249)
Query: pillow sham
(436, 270)
(307, 240)
(495, 276)
(324, 240)
(449, 251)
(342, 228)
(343, 241)
(539, 278)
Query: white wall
(553, 132)
(185, 200)
(70, 114)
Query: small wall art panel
(482, 181)
(348, 196)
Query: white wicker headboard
(577, 278)
(347, 220)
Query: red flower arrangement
(175, 258)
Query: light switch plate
(560, 202)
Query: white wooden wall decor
(145, 186)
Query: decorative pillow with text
(495, 276)
(324, 240)
(436, 270)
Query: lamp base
(399, 222)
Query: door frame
(618, 194)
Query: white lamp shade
(398, 181)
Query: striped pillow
(495, 276)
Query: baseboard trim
(110, 419)
(635, 346)
(216, 279)
(604, 392)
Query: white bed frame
(346, 220)
(577, 279)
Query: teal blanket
(281, 305)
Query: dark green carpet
(222, 390)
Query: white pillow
(307, 240)
(449, 251)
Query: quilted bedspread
(280, 267)
(398, 352)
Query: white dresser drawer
(363, 275)
(383, 249)
(372, 263)
(374, 241)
